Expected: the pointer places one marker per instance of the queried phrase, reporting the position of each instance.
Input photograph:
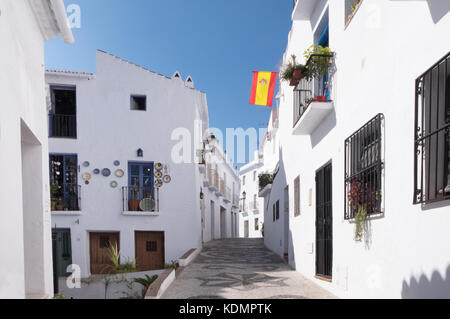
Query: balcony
(65, 199)
(253, 205)
(235, 201)
(312, 100)
(213, 180)
(221, 189)
(227, 198)
(140, 200)
(64, 126)
(303, 9)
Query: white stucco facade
(251, 219)
(25, 234)
(108, 130)
(379, 54)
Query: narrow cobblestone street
(241, 269)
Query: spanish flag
(263, 88)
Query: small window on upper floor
(138, 103)
(254, 175)
(351, 6)
(63, 114)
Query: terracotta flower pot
(133, 205)
(297, 75)
(321, 98)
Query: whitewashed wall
(107, 131)
(386, 46)
(25, 235)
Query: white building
(220, 193)
(125, 168)
(388, 79)
(251, 219)
(25, 230)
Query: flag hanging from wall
(263, 88)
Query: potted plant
(59, 205)
(53, 196)
(319, 60)
(293, 72)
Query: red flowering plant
(363, 200)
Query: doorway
(99, 244)
(149, 250)
(324, 222)
(223, 228)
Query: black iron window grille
(432, 134)
(62, 118)
(364, 169)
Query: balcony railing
(140, 199)
(66, 198)
(311, 90)
(222, 186)
(62, 125)
(235, 200)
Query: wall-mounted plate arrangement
(158, 166)
(147, 205)
(86, 164)
(86, 176)
(106, 172)
(96, 171)
(113, 184)
(158, 183)
(116, 163)
(119, 173)
(158, 174)
(167, 179)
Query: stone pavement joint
(241, 269)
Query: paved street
(241, 269)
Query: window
(255, 201)
(277, 209)
(141, 187)
(254, 175)
(63, 183)
(286, 199)
(62, 116)
(138, 102)
(243, 180)
(256, 224)
(297, 197)
(363, 169)
(274, 212)
(104, 241)
(151, 246)
(351, 6)
(432, 134)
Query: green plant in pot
(319, 61)
(293, 72)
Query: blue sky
(217, 42)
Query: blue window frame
(140, 180)
(64, 180)
(324, 42)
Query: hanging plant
(360, 223)
(293, 72)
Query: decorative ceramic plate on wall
(158, 166)
(116, 163)
(96, 171)
(113, 184)
(86, 164)
(147, 205)
(158, 174)
(106, 172)
(86, 176)
(167, 179)
(119, 173)
(158, 183)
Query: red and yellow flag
(263, 88)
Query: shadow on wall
(424, 288)
(323, 129)
(438, 9)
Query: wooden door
(99, 244)
(149, 250)
(324, 223)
